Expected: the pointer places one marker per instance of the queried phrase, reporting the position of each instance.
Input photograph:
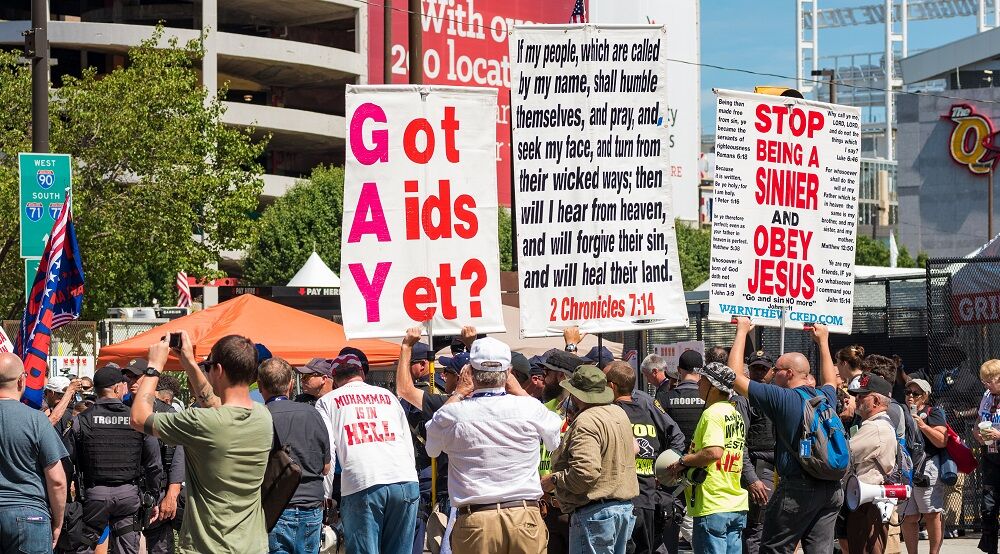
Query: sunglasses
(914, 393)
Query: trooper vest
(685, 406)
(111, 451)
(760, 432)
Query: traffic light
(778, 91)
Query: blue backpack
(823, 450)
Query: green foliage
(504, 234)
(693, 246)
(308, 216)
(154, 166)
(874, 252)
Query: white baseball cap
(57, 384)
(489, 354)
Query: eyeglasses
(914, 393)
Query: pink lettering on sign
(380, 137)
(371, 290)
(369, 203)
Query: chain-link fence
(962, 331)
(944, 344)
(75, 339)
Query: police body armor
(111, 450)
(685, 406)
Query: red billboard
(465, 44)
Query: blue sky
(759, 35)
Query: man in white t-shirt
(490, 428)
(371, 440)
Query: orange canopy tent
(288, 333)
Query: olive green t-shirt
(225, 453)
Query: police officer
(758, 464)
(112, 460)
(159, 535)
(684, 405)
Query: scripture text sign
(785, 211)
(595, 225)
(420, 211)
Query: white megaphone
(885, 497)
(328, 541)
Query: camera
(175, 340)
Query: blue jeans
(297, 531)
(378, 520)
(601, 528)
(719, 533)
(25, 530)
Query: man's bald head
(793, 370)
(11, 369)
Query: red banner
(465, 44)
(975, 308)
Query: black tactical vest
(685, 406)
(760, 432)
(111, 451)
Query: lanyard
(487, 393)
(275, 399)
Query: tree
(306, 218)
(154, 168)
(876, 253)
(693, 250)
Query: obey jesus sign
(420, 211)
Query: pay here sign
(420, 211)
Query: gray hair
(488, 379)
(883, 400)
(652, 363)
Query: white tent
(315, 273)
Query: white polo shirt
(492, 446)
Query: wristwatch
(570, 347)
(151, 372)
(681, 462)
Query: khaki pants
(953, 503)
(504, 531)
(893, 543)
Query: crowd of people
(731, 451)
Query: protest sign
(784, 213)
(672, 352)
(420, 211)
(595, 225)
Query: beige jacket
(596, 459)
(873, 449)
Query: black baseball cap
(869, 382)
(760, 358)
(564, 362)
(520, 364)
(136, 367)
(454, 364)
(690, 360)
(107, 377)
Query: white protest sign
(420, 211)
(784, 213)
(71, 366)
(595, 224)
(5, 344)
(672, 352)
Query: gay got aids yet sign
(420, 211)
(785, 211)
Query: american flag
(579, 14)
(56, 299)
(183, 290)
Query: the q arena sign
(973, 142)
